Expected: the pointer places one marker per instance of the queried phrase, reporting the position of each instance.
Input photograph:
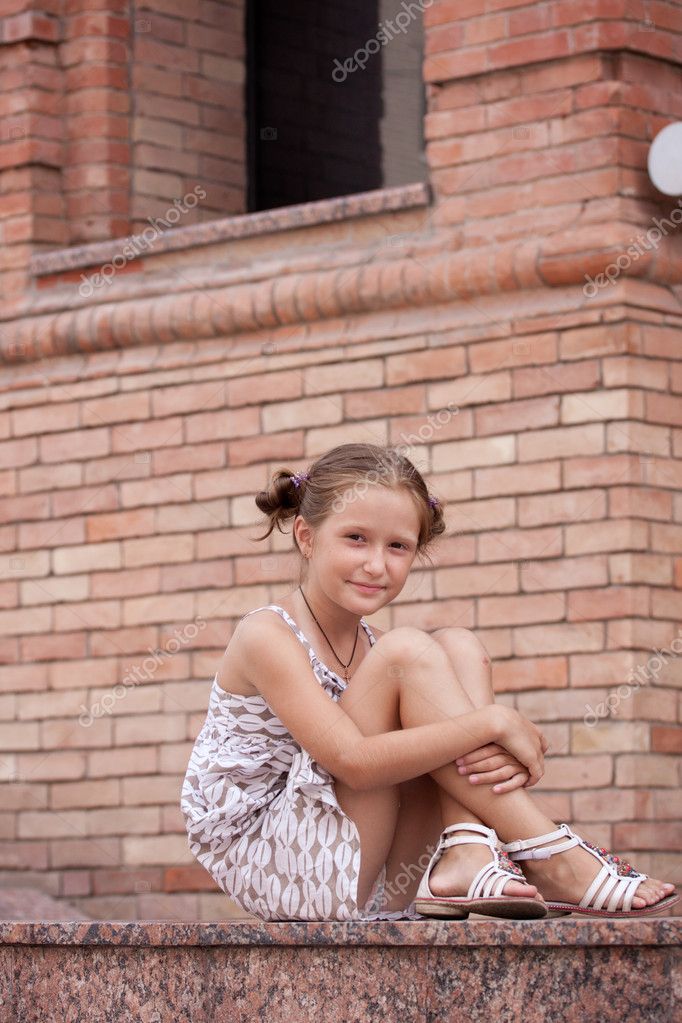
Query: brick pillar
(95, 56)
(540, 118)
(113, 113)
(31, 129)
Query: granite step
(431, 971)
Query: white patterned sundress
(262, 816)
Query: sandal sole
(566, 908)
(511, 909)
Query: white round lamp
(665, 160)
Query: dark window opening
(335, 98)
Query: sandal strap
(613, 885)
(490, 880)
(609, 883)
(517, 850)
(492, 877)
(466, 826)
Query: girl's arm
(280, 670)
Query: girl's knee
(405, 644)
(454, 638)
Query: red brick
(517, 479)
(602, 470)
(427, 365)
(228, 482)
(284, 445)
(576, 772)
(651, 835)
(532, 673)
(471, 390)
(45, 419)
(127, 523)
(623, 534)
(234, 423)
(607, 804)
(385, 401)
(569, 506)
(521, 610)
(517, 415)
(611, 602)
(201, 575)
(640, 502)
(93, 499)
(563, 638)
(516, 544)
(80, 444)
(604, 669)
(527, 351)
(561, 442)
(590, 341)
(577, 376)
(564, 573)
(19, 452)
(666, 739)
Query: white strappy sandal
(484, 891)
(616, 875)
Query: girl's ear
(301, 531)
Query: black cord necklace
(357, 630)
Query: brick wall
(132, 448)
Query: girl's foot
(458, 866)
(567, 876)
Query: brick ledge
(557, 261)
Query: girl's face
(372, 540)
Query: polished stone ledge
(571, 931)
(430, 971)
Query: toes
(520, 888)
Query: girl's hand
(493, 765)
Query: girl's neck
(339, 625)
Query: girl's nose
(375, 562)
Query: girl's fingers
(479, 754)
(490, 777)
(489, 764)
(516, 782)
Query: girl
(332, 777)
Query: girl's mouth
(368, 589)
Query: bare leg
(427, 690)
(426, 808)
(471, 665)
(403, 684)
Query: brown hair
(338, 470)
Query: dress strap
(290, 622)
(372, 638)
(298, 633)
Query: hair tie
(433, 501)
(298, 477)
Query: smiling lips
(368, 586)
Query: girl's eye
(353, 535)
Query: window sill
(248, 225)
